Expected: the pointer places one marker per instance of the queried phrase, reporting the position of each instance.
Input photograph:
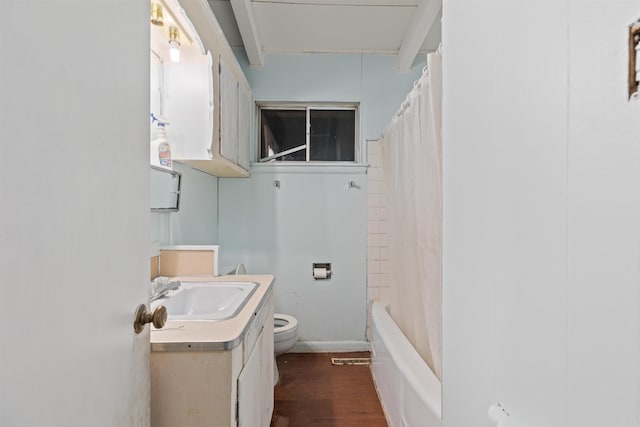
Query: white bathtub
(410, 393)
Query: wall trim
(309, 167)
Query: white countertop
(195, 335)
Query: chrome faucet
(160, 288)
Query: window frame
(308, 107)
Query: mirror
(165, 190)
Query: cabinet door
(255, 385)
(188, 108)
(244, 127)
(228, 114)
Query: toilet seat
(290, 323)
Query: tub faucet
(160, 288)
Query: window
(304, 133)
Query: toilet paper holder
(322, 270)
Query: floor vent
(354, 361)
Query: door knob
(158, 317)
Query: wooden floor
(314, 393)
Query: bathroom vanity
(216, 372)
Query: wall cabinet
(228, 114)
(217, 388)
(235, 117)
(245, 124)
(205, 96)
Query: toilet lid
(288, 323)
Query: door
(252, 399)
(228, 113)
(74, 214)
(255, 382)
(245, 124)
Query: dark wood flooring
(314, 393)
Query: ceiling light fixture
(174, 44)
(157, 16)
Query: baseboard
(330, 346)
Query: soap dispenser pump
(160, 152)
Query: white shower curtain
(412, 151)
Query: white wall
(312, 217)
(541, 208)
(196, 223)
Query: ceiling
(401, 27)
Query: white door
(245, 123)
(228, 113)
(74, 214)
(255, 382)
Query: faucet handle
(142, 317)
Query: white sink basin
(206, 300)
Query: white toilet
(285, 335)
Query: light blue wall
(196, 223)
(369, 79)
(313, 217)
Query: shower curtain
(412, 153)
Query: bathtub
(409, 391)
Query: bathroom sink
(206, 300)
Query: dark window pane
(282, 130)
(333, 135)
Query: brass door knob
(158, 317)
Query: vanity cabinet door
(250, 404)
(255, 383)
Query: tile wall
(378, 259)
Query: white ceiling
(290, 26)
